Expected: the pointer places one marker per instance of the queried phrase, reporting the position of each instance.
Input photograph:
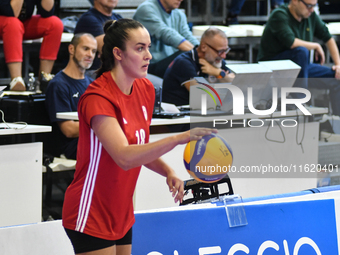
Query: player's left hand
(176, 186)
(336, 68)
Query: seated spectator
(93, 22)
(63, 93)
(17, 24)
(206, 60)
(289, 34)
(169, 31)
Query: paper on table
(171, 108)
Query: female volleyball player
(114, 117)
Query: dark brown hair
(116, 35)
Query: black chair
(205, 191)
(58, 173)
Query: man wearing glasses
(206, 60)
(289, 34)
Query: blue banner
(294, 228)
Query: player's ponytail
(116, 35)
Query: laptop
(158, 111)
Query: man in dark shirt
(206, 60)
(63, 93)
(289, 34)
(93, 21)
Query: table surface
(16, 129)
(65, 37)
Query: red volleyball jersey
(99, 200)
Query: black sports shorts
(85, 243)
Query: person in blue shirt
(63, 93)
(206, 60)
(169, 31)
(93, 21)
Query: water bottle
(31, 82)
(37, 86)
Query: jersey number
(140, 135)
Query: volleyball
(208, 160)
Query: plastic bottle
(37, 86)
(31, 82)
